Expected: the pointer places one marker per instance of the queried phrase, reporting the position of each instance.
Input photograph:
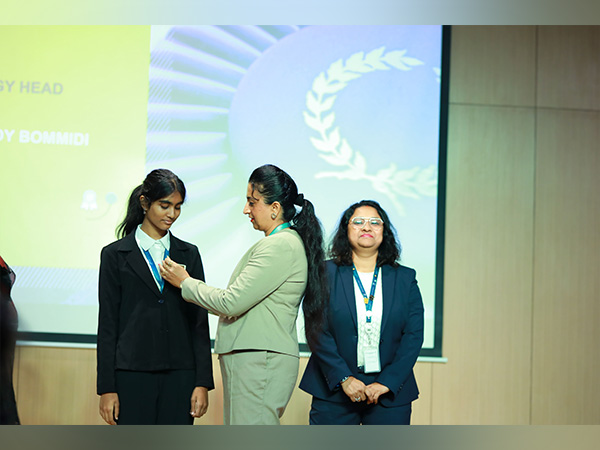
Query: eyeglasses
(360, 222)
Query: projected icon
(89, 202)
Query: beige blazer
(259, 307)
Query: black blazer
(334, 357)
(142, 329)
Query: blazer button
(161, 301)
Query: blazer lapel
(388, 286)
(347, 282)
(178, 251)
(138, 263)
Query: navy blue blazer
(334, 357)
(143, 329)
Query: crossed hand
(357, 391)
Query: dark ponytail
(159, 183)
(275, 185)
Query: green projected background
(72, 146)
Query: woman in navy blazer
(154, 359)
(361, 370)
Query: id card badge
(372, 363)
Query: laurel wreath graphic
(336, 150)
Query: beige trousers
(257, 386)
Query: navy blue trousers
(324, 412)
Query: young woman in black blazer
(154, 359)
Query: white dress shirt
(364, 338)
(156, 248)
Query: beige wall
(522, 278)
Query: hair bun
(299, 200)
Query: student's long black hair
(159, 183)
(389, 250)
(275, 185)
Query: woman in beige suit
(256, 338)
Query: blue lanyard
(368, 300)
(157, 276)
(280, 227)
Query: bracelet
(344, 379)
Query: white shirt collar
(145, 241)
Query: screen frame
(30, 338)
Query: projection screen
(350, 112)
